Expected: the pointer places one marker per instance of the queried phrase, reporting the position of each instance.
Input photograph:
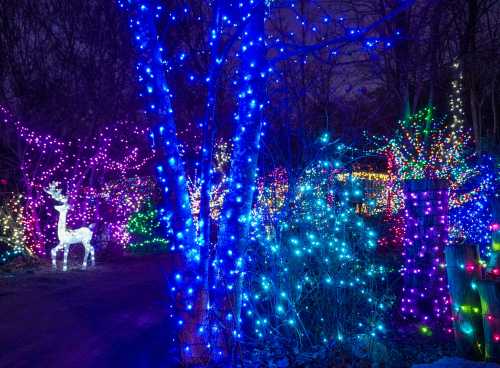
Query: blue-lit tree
(175, 207)
(471, 213)
(233, 23)
(235, 51)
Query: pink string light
(101, 175)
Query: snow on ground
(112, 316)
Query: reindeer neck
(61, 224)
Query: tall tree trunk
(175, 210)
(401, 56)
(435, 38)
(234, 224)
(474, 110)
(170, 170)
(468, 50)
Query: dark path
(112, 316)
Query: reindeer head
(56, 193)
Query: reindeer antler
(55, 192)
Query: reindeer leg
(92, 255)
(65, 262)
(53, 254)
(86, 256)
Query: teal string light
(317, 278)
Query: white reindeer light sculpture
(67, 237)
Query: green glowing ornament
(425, 330)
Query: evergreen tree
(146, 231)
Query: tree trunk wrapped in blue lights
(234, 226)
(463, 268)
(425, 297)
(175, 211)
